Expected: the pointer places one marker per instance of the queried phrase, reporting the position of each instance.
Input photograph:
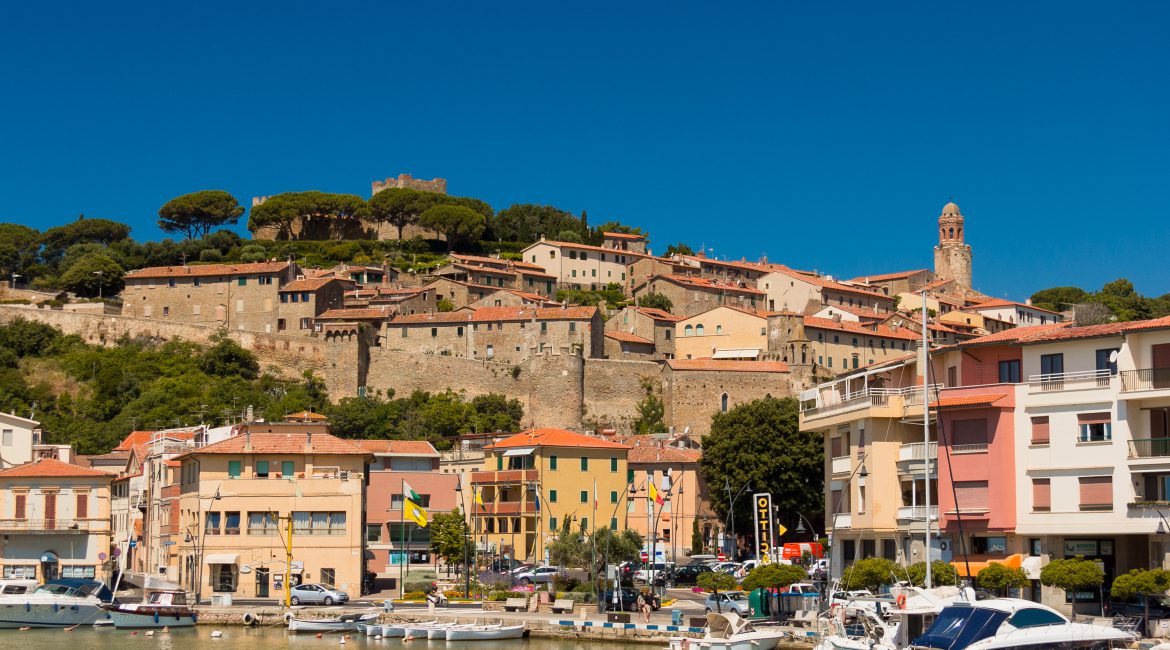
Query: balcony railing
(505, 476)
(917, 513)
(1069, 381)
(918, 451)
(1149, 448)
(975, 448)
(1145, 379)
(50, 525)
(842, 465)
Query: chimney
(308, 442)
(249, 414)
(836, 317)
(248, 440)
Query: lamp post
(731, 512)
(199, 549)
(464, 539)
(14, 276)
(101, 277)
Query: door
(262, 583)
(50, 510)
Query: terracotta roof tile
(727, 365)
(587, 247)
(1072, 332)
(312, 284)
(489, 261)
(133, 439)
(496, 314)
(707, 283)
(658, 314)
(969, 400)
(1000, 302)
(356, 314)
(305, 416)
(659, 454)
(888, 276)
(627, 337)
(555, 438)
(1015, 334)
(205, 270)
(51, 468)
(282, 443)
(883, 331)
(401, 447)
(1156, 323)
(623, 235)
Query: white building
(17, 437)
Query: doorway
(50, 566)
(262, 578)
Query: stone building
(437, 185)
(952, 257)
(581, 266)
(235, 296)
(839, 345)
(405, 300)
(460, 293)
(692, 295)
(693, 390)
(303, 300)
(623, 345)
(642, 269)
(522, 278)
(654, 325)
(501, 334)
(892, 284)
(623, 241)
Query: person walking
(644, 606)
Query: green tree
(570, 237)
(620, 547)
(656, 301)
(999, 578)
(679, 249)
(1149, 582)
(941, 574)
(92, 231)
(366, 417)
(715, 582)
(19, 246)
(495, 412)
(597, 235)
(446, 305)
(760, 443)
(650, 410)
(696, 538)
(285, 210)
(93, 274)
(449, 535)
(401, 206)
(569, 549)
(195, 214)
(773, 576)
(1072, 574)
(457, 223)
(1059, 298)
(226, 358)
(870, 573)
(28, 338)
(527, 222)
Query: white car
(643, 574)
(537, 575)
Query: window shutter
(21, 500)
(969, 432)
(1042, 494)
(82, 506)
(971, 495)
(1040, 430)
(1096, 492)
(1094, 418)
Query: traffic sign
(102, 557)
(645, 556)
(722, 557)
(780, 530)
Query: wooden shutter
(1096, 492)
(21, 499)
(82, 506)
(50, 509)
(1094, 418)
(1041, 494)
(1161, 355)
(1040, 430)
(835, 447)
(969, 432)
(971, 495)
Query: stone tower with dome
(952, 257)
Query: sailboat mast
(926, 431)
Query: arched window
(952, 233)
(804, 354)
(723, 403)
(688, 331)
(718, 329)
(699, 329)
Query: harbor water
(252, 638)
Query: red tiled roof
(658, 314)
(1072, 332)
(1155, 323)
(402, 447)
(311, 284)
(555, 438)
(727, 365)
(282, 443)
(623, 235)
(942, 282)
(883, 331)
(51, 468)
(305, 416)
(707, 283)
(355, 314)
(1015, 334)
(888, 276)
(495, 314)
(627, 337)
(204, 270)
(528, 295)
(860, 312)
(133, 439)
(1000, 302)
(566, 244)
(969, 400)
(492, 260)
(655, 453)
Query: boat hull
(144, 620)
(393, 631)
(42, 615)
(750, 641)
(309, 625)
(493, 633)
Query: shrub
(565, 583)
(941, 574)
(418, 585)
(499, 596)
(773, 576)
(454, 593)
(413, 595)
(575, 596)
(870, 573)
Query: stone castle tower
(952, 257)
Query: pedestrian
(644, 605)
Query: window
(1040, 430)
(572, 327)
(295, 297)
(374, 533)
(969, 436)
(552, 524)
(544, 327)
(262, 469)
(1106, 360)
(584, 496)
(306, 323)
(242, 281)
(1051, 364)
(1096, 492)
(424, 500)
(286, 468)
(613, 496)
(552, 496)
(328, 577)
(1095, 427)
(629, 476)
(718, 329)
(688, 331)
(21, 502)
(166, 311)
(6, 439)
(1041, 494)
(82, 506)
(170, 282)
(281, 325)
(231, 523)
(613, 464)
(261, 523)
(552, 462)
(20, 572)
(234, 469)
(197, 282)
(699, 329)
(989, 545)
(723, 403)
(584, 463)
(1009, 371)
(971, 495)
(584, 523)
(613, 523)
(499, 463)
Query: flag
(409, 493)
(655, 494)
(413, 512)
(537, 495)
(478, 497)
(595, 494)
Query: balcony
(917, 451)
(1149, 448)
(1146, 379)
(916, 513)
(51, 526)
(841, 465)
(1081, 380)
(505, 476)
(842, 521)
(508, 508)
(974, 448)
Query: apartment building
(534, 481)
(581, 266)
(675, 473)
(18, 437)
(237, 497)
(55, 521)
(236, 296)
(839, 345)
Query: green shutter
(584, 496)
(629, 476)
(552, 496)
(552, 462)
(552, 524)
(286, 468)
(234, 468)
(261, 467)
(499, 462)
(584, 463)
(613, 496)
(613, 464)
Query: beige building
(892, 284)
(722, 333)
(838, 346)
(675, 472)
(237, 496)
(581, 266)
(303, 300)
(236, 296)
(576, 478)
(691, 295)
(55, 520)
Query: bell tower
(952, 257)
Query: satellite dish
(1113, 356)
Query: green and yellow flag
(415, 513)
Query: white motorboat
(485, 632)
(853, 625)
(727, 631)
(439, 630)
(343, 623)
(1015, 624)
(444, 632)
(163, 608)
(395, 631)
(57, 603)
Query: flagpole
(593, 539)
(402, 543)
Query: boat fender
(901, 601)
(54, 608)
(156, 618)
(288, 617)
(249, 618)
(27, 607)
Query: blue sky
(825, 135)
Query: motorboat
(890, 623)
(162, 608)
(343, 623)
(1015, 624)
(64, 602)
(727, 631)
(394, 631)
(485, 632)
(418, 630)
(438, 632)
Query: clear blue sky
(827, 138)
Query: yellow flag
(654, 495)
(416, 514)
(478, 496)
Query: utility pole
(926, 431)
(288, 552)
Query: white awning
(1032, 566)
(736, 353)
(519, 451)
(222, 558)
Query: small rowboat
(485, 632)
(344, 623)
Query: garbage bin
(676, 617)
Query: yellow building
(534, 481)
(722, 333)
(234, 494)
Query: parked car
(503, 565)
(627, 600)
(643, 574)
(819, 569)
(537, 575)
(726, 567)
(800, 588)
(689, 574)
(1136, 606)
(727, 601)
(627, 569)
(521, 568)
(315, 593)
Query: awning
(519, 451)
(737, 353)
(222, 558)
(49, 556)
(1032, 566)
(1010, 561)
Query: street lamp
(199, 550)
(731, 512)
(466, 542)
(14, 276)
(100, 278)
